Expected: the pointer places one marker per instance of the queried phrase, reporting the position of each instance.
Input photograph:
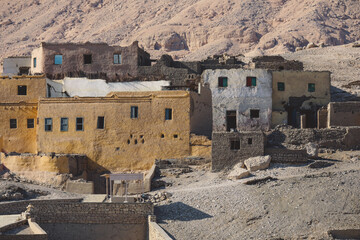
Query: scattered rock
(257, 163)
(298, 49)
(356, 45)
(260, 180)
(238, 172)
(157, 197)
(311, 45)
(312, 150)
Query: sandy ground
(300, 203)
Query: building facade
(92, 60)
(16, 65)
(297, 96)
(241, 99)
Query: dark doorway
(230, 120)
(311, 119)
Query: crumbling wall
(223, 157)
(155, 231)
(201, 112)
(283, 155)
(276, 63)
(343, 114)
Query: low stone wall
(20, 206)
(339, 138)
(37, 232)
(79, 187)
(283, 155)
(155, 231)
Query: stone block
(257, 163)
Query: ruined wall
(12, 65)
(283, 155)
(343, 114)
(201, 112)
(155, 231)
(276, 63)
(36, 88)
(240, 98)
(20, 139)
(223, 157)
(125, 143)
(322, 118)
(296, 94)
(102, 62)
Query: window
(168, 113)
(235, 144)
(48, 124)
(250, 81)
(13, 123)
(254, 113)
(58, 60)
(49, 90)
(30, 123)
(117, 58)
(34, 62)
(134, 112)
(64, 124)
(100, 122)
(87, 58)
(281, 86)
(230, 120)
(223, 81)
(249, 141)
(311, 87)
(79, 124)
(22, 90)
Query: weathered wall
(21, 139)
(201, 112)
(36, 88)
(322, 118)
(223, 157)
(283, 155)
(12, 65)
(276, 63)
(343, 114)
(296, 94)
(240, 98)
(102, 65)
(125, 143)
(200, 146)
(79, 187)
(155, 232)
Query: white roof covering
(84, 87)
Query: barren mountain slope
(191, 28)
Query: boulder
(312, 45)
(298, 49)
(238, 172)
(257, 163)
(312, 150)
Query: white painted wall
(11, 65)
(240, 98)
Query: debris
(260, 180)
(320, 164)
(238, 172)
(312, 150)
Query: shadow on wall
(275, 139)
(93, 174)
(339, 95)
(180, 212)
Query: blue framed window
(117, 58)
(30, 123)
(251, 81)
(168, 113)
(64, 124)
(48, 124)
(58, 59)
(281, 86)
(79, 124)
(13, 123)
(101, 122)
(34, 62)
(311, 87)
(134, 113)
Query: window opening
(254, 113)
(235, 144)
(64, 124)
(249, 141)
(87, 58)
(117, 58)
(101, 122)
(30, 123)
(311, 87)
(80, 124)
(250, 81)
(58, 59)
(22, 90)
(134, 112)
(168, 114)
(48, 124)
(34, 62)
(281, 86)
(13, 123)
(222, 81)
(230, 120)
(176, 136)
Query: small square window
(281, 86)
(235, 144)
(87, 58)
(249, 141)
(134, 112)
(58, 59)
(80, 124)
(168, 113)
(222, 81)
(117, 58)
(13, 123)
(101, 123)
(30, 123)
(48, 124)
(311, 87)
(64, 124)
(251, 81)
(34, 62)
(22, 90)
(254, 113)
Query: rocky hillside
(189, 29)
